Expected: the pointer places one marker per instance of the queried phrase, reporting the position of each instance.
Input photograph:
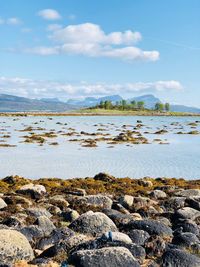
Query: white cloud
(92, 33)
(10, 21)
(13, 21)
(90, 40)
(49, 14)
(38, 89)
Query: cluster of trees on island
(133, 105)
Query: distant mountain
(54, 100)
(182, 108)
(92, 101)
(149, 100)
(10, 103)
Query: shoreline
(68, 114)
(127, 222)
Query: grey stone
(93, 223)
(105, 257)
(14, 246)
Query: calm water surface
(179, 158)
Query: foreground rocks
(100, 221)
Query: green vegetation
(133, 106)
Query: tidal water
(179, 158)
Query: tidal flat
(80, 146)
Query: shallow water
(179, 158)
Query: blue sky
(76, 48)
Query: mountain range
(11, 103)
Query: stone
(45, 225)
(70, 215)
(56, 236)
(34, 191)
(158, 194)
(126, 201)
(37, 212)
(105, 257)
(32, 233)
(145, 183)
(94, 201)
(138, 237)
(93, 223)
(14, 246)
(151, 226)
(59, 201)
(104, 177)
(188, 226)
(179, 258)
(186, 240)
(188, 193)
(187, 213)
(117, 217)
(117, 236)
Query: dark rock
(186, 240)
(151, 226)
(57, 235)
(188, 226)
(179, 258)
(138, 237)
(117, 217)
(104, 177)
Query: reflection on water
(181, 158)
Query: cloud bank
(90, 40)
(38, 89)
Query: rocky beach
(99, 221)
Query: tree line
(133, 105)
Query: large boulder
(151, 226)
(14, 246)
(93, 223)
(105, 257)
(33, 190)
(179, 258)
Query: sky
(75, 48)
